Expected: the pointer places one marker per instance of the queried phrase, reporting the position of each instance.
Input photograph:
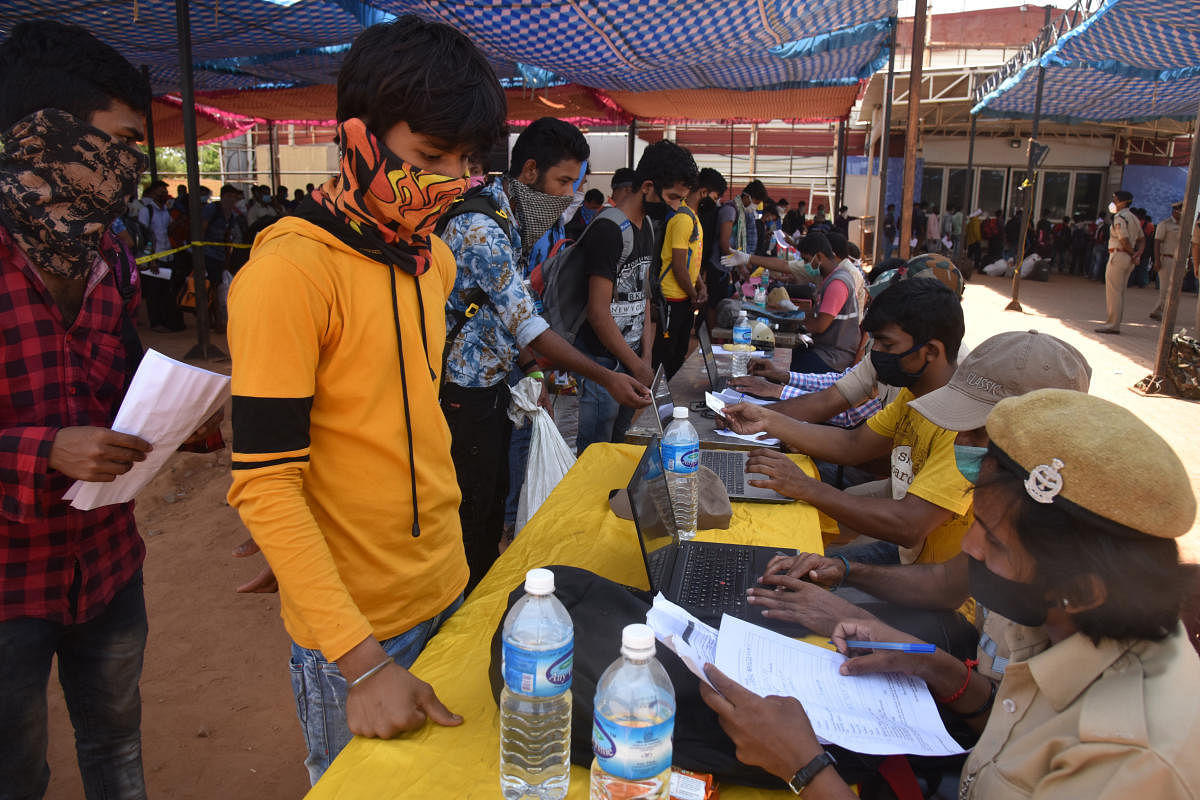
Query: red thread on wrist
(970, 664)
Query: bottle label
(632, 753)
(538, 673)
(681, 458)
(741, 335)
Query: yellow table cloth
(573, 527)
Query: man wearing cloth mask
(504, 327)
(1125, 244)
(72, 110)
(917, 327)
(1107, 706)
(341, 464)
(1005, 365)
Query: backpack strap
(477, 299)
(475, 202)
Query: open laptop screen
(663, 401)
(651, 505)
(710, 360)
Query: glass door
(990, 195)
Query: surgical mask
(808, 269)
(1112, 208)
(888, 369)
(968, 459)
(1023, 603)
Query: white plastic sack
(549, 455)
(1028, 264)
(998, 268)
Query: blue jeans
(601, 418)
(99, 666)
(321, 690)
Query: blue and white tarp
(1131, 61)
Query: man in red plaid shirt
(71, 113)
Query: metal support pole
(839, 192)
(729, 178)
(885, 144)
(183, 27)
(968, 190)
(151, 151)
(1153, 384)
(632, 143)
(273, 154)
(912, 130)
(1015, 303)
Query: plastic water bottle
(681, 462)
(633, 724)
(535, 703)
(760, 295)
(740, 353)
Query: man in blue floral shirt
(498, 325)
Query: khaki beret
(1079, 450)
(713, 511)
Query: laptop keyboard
(730, 468)
(713, 577)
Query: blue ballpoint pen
(903, 647)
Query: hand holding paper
(166, 402)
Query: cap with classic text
(1005, 365)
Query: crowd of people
(376, 328)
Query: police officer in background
(1125, 244)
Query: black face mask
(888, 370)
(655, 211)
(1023, 603)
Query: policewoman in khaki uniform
(1077, 509)
(1125, 242)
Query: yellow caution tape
(165, 253)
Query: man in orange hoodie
(341, 466)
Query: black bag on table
(600, 609)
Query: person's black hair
(49, 64)
(756, 190)
(159, 184)
(593, 196)
(181, 189)
(792, 221)
(770, 208)
(891, 205)
(308, 187)
(624, 175)
(713, 181)
(549, 142)
(1123, 196)
(853, 251)
(281, 190)
(924, 309)
(1144, 582)
(814, 243)
(666, 164)
(839, 245)
(428, 75)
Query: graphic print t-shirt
(602, 256)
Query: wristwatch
(804, 776)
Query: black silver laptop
(716, 380)
(729, 465)
(706, 578)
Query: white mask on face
(1112, 208)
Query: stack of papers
(734, 396)
(166, 402)
(757, 438)
(881, 714)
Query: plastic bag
(549, 455)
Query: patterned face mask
(62, 183)
(389, 202)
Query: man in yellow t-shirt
(917, 327)
(683, 287)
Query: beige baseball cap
(1006, 365)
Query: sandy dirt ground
(219, 718)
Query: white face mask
(1112, 208)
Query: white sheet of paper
(163, 274)
(734, 396)
(765, 441)
(718, 350)
(715, 403)
(882, 714)
(166, 402)
(687, 637)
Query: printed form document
(882, 714)
(166, 402)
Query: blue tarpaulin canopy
(1131, 61)
(627, 45)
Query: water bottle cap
(679, 412)
(637, 640)
(539, 581)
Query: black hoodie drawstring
(412, 461)
(424, 336)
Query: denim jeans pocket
(300, 692)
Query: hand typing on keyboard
(771, 469)
(802, 602)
